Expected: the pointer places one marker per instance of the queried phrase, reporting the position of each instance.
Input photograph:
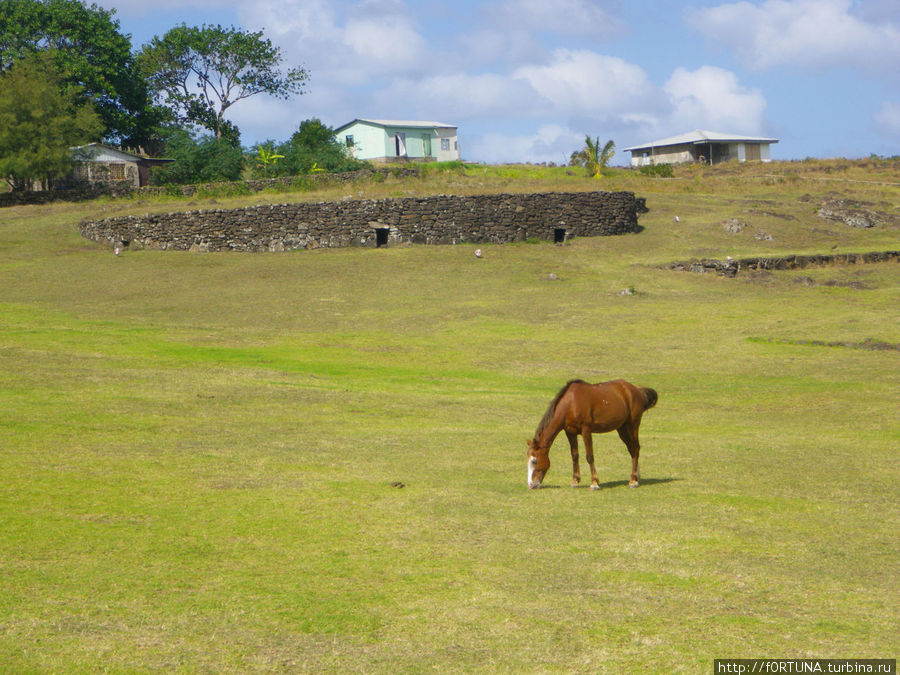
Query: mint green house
(391, 140)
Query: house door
(426, 145)
(751, 152)
(400, 142)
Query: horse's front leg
(573, 446)
(589, 456)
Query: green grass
(199, 451)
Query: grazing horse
(582, 408)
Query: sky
(527, 80)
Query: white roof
(400, 123)
(698, 137)
(102, 153)
(98, 152)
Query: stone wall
(74, 194)
(730, 267)
(502, 218)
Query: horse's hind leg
(573, 446)
(589, 456)
(629, 436)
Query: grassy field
(315, 461)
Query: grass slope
(202, 454)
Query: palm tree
(592, 157)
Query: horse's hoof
(633, 484)
(595, 486)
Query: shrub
(658, 170)
(312, 149)
(203, 160)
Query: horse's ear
(530, 443)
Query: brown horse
(582, 408)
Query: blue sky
(526, 80)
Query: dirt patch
(833, 283)
(868, 343)
(771, 214)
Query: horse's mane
(551, 409)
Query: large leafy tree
(40, 118)
(199, 73)
(89, 51)
(592, 157)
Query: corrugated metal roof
(400, 123)
(103, 153)
(98, 152)
(698, 136)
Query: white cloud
(487, 46)
(346, 43)
(585, 18)
(712, 98)
(300, 27)
(584, 82)
(806, 33)
(387, 45)
(454, 97)
(550, 143)
(887, 119)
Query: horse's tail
(650, 397)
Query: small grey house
(702, 146)
(98, 163)
(389, 140)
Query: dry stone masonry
(730, 266)
(443, 219)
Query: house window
(348, 139)
(445, 144)
(116, 171)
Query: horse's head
(538, 464)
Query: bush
(658, 170)
(312, 149)
(203, 160)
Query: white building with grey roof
(709, 147)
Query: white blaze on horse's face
(538, 463)
(532, 461)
